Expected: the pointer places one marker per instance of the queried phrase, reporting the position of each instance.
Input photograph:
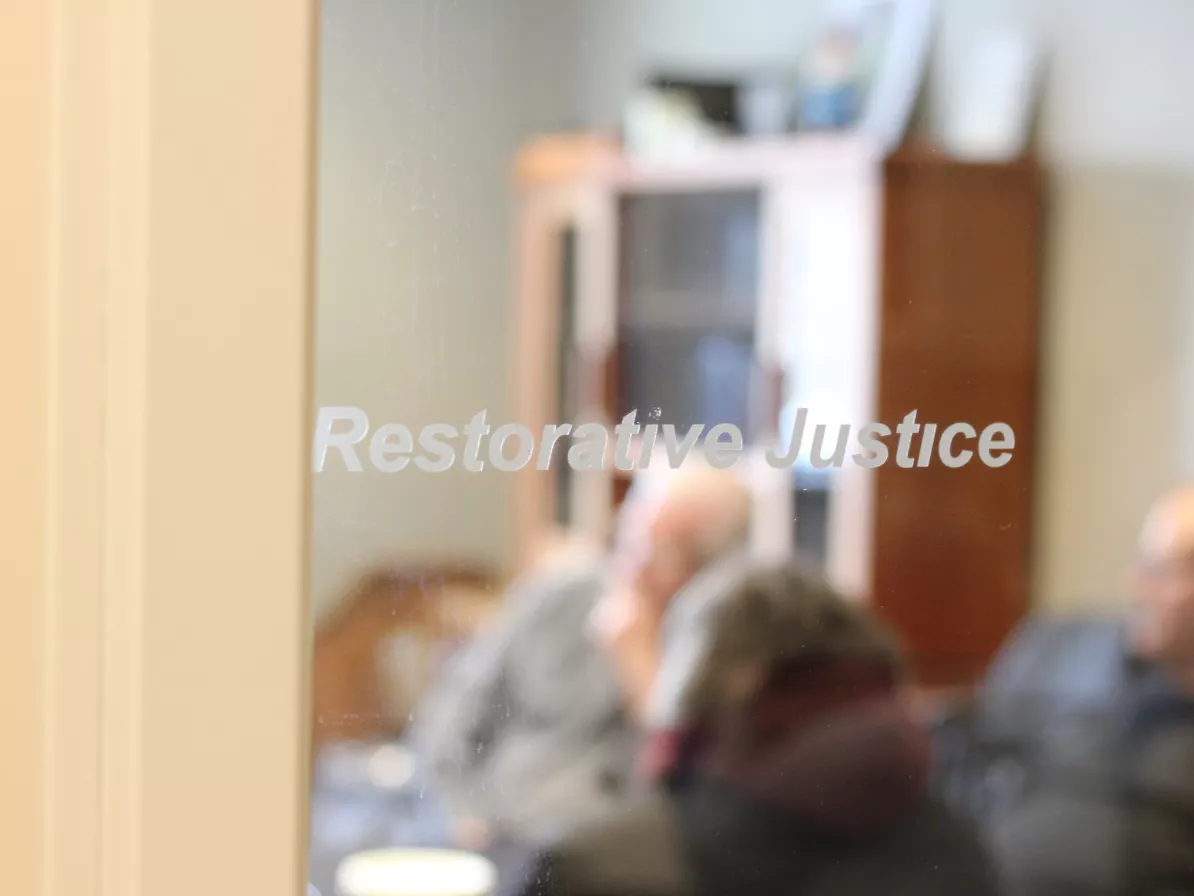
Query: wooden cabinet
(959, 329)
(752, 280)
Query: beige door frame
(156, 216)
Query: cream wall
(26, 96)
(625, 41)
(1118, 132)
(422, 108)
(156, 225)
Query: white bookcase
(759, 249)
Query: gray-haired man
(534, 727)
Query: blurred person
(689, 537)
(794, 765)
(533, 727)
(1109, 807)
(1162, 591)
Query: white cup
(989, 113)
(416, 872)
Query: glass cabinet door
(687, 304)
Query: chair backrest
(385, 639)
(1053, 677)
(1050, 668)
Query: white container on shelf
(989, 112)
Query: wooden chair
(380, 647)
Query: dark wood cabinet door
(959, 323)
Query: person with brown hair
(789, 762)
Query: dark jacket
(1107, 805)
(837, 807)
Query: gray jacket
(526, 729)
